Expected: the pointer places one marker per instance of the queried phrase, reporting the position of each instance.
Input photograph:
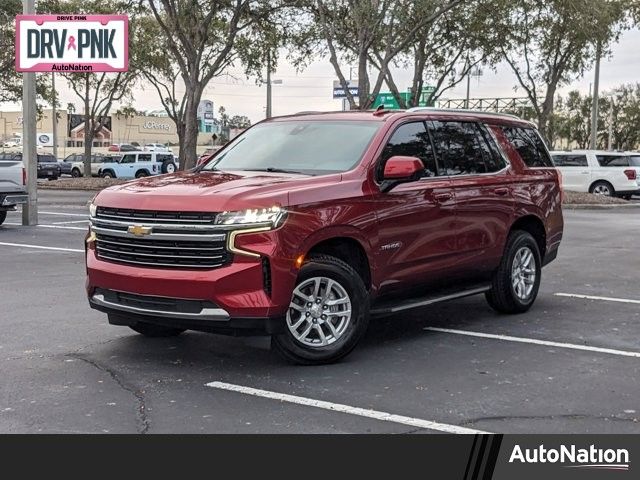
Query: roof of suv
(382, 115)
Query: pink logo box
(74, 21)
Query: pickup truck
(12, 184)
(47, 165)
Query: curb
(588, 206)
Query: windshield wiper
(272, 170)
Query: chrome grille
(172, 239)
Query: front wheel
(328, 313)
(516, 282)
(141, 174)
(75, 173)
(107, 175)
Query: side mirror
(400, 169)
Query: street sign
(339, 91)
(390, 102)
(72, 43)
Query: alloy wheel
(523, 273)
(319, 312)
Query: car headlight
(92, 209)
(271, 216)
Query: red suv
(306, 225)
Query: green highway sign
(390, 103)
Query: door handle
(443, 197)
(501, 191)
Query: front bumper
(129, 309)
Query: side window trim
(480, 127)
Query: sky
(311, 89)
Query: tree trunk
(188, 146)
(88, 130)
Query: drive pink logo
(72, 43)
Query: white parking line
(72, 221)
(337, 407)
(535, 341)
(41, 247)
(85, 215)
(593, 297)
(50, 226)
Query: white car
(599, 172)
(138, 165)
(157, 147)
(16, 142)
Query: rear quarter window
(613, 160)
(529, 146)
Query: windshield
(308, 147)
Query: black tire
(141, 174)
(602, 188)
(335, 269)
(150, 330)
(108, 174)
(76, 173)
(503, 297)
(169, 166)
(3, 216)
(626, 197)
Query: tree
(193, 42)
(98, 92)
(548, 43)
(445, 51)
(239, 121)
(367, 33)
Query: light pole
(594, 106)
(55, 115)
(29, 209)
(474, 72)
(270, 82)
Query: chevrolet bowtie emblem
(139, 230)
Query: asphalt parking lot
(571, 364)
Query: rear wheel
(328, 313)
(516, 282)
(3, 216)
(602, 188)
(150, 330)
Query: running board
(389, 308)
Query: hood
(203, 191)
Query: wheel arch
(535, 226)
(348, 249)
(601, 180)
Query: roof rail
(462, 110)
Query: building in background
(206, 118)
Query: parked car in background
(137, 165)
(12, 183)
(290, 233)
(74, 164)
(13, 143)
(598, 172)
(47, 165)
(123, 147)
(157, 147)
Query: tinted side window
(493, 159)
(144, 157)
(570, 160)
(128, 159)
(529, 145)
(458, 148)
(411, 139)
(613, 160)
(163, 157)
(635, 160)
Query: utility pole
(55, 115)
(466, 102)
(29, 209)
(610, 141)
(269, 84)
(594, 107)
